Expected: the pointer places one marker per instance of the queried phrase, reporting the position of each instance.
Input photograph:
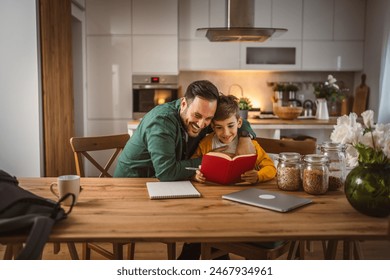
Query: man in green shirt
(168, 135)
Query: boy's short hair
(227, 106)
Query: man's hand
(199, 177)
(245, 146)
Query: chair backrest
(81, 146)
(276, 146)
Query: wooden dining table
(120, 210)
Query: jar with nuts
(315, 175)
(336, 154)
(288, 176)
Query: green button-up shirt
(158, 147)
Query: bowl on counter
(288, 113)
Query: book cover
(221, 168)
(176, 189)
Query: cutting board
(360, 101)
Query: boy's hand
(250, 176)
(199, 176)
(245, 146)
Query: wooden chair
(82, 146)
(276, 146)
(256, 250)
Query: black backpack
(23, 212)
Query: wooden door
(57, 85)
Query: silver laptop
(267, 199)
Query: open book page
(175, 189)
(228, 157)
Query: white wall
(20, 146)
(375, 44)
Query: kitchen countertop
(275, 123)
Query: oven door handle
(155, 87)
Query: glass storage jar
(288, 176)
(315, 175)
(336, 155)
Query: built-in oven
(152, 90)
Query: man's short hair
(203, 89)
(227, 107)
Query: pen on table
(192, 168)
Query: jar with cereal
(315, 175)
(288, 176)
(336, 154)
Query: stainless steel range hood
(240, 25)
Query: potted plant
(332, 93)
(278, 90)
(278, 87)
(245, 105)
(291, 87)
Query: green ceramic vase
(367, 188)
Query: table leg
(331, 250)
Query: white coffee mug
(67, 184)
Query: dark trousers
(191, 251)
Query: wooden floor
(372, 250)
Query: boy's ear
(239, 124)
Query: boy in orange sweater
(225, 125)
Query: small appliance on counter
(308, 107)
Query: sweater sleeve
(264, 164)
(204, 146)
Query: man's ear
(239, 124)
(183, 104)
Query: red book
(221, 168)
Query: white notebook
(176, 189)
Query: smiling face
(197, 115)
(226, 130)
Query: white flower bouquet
(329, 90)
(365, 143)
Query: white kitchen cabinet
(192, 15)
(108, 17)
(288, 14)
(333, 35)
(318, 20)
(205, 55)
(334, 20)
(155, 37)
(155, 17)
(349, 19)
(109, 77)
(263, 13)
(196, 52)
(332, 55)
(156, 54)
(218, 13)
